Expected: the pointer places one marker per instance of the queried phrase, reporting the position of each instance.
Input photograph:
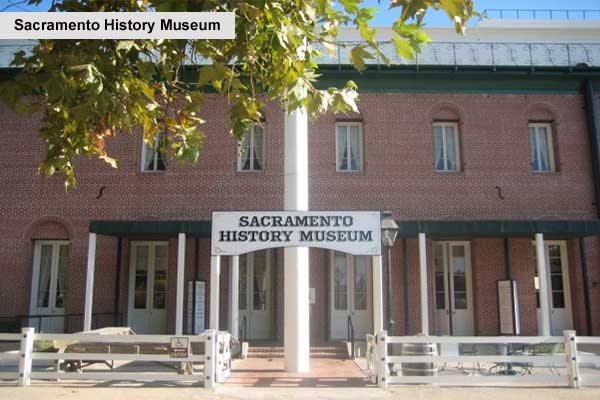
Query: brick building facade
(494, 180)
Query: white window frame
(250, 149)
(155, 144)
(35, 281)
(443, 125)
(549, 140)
(348, 145)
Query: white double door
(49, 285)
(148, 287)
(453, 289)
(559, 295)
(254, 301)
(350, 293)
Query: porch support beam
(180, 279)
(215, 275)
(89, 282)
(377, 294)
(296, 260)
(543, 284)
(423, 281)
(234, 275)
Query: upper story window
(251, 150)
(445, 138)
(152, 157)
(349, 153)
(542, 152)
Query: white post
(377, 294)
(89, 283)
(543, 284)
(210, 352)
(296, 334)
(234, 275)
(382, 360)
(572, 361)
(423, 279)
(215, 275)
(25, 360)
(180, 279)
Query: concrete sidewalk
(67, 391)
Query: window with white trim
(49, 275)
(447, 152)
(348, 144)
(542, 151)
(251, 152)
(153, 159)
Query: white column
(215, 275)
(180, 279)
(423, 279)
(377, 294)
(296, 337)
(543, 284)
(89, 283)
(234, 276)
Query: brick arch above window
(541, 111)
(446, 111)
(50, 227)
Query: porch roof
(200, 228)
(500, 228)
(451, 228)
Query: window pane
(242, 283)
(61, 279)
(141, 276)
(438, 143)
(257, 151)
(554, 250)
(354, 157)
(340, 279)
(458, 259)
(460, 300)
(451, 149)
(244, 153)
(360, 282)
(440, 301)
(260, 280)
(556, 281)
(439, 282)
(43, 297)
(533, 146)
(160, 276)
(558, 299)
(342, 148)
(543, 149)
(148, 161)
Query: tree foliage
(88, 90)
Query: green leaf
(403, 47)
(357, 57)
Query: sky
(385, 17)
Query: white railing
(550, 361)
(210, 350)
(371, 357)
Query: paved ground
(262, 372)
(133, 392)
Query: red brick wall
(398, 175)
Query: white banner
(354, 232)
(117, 25)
